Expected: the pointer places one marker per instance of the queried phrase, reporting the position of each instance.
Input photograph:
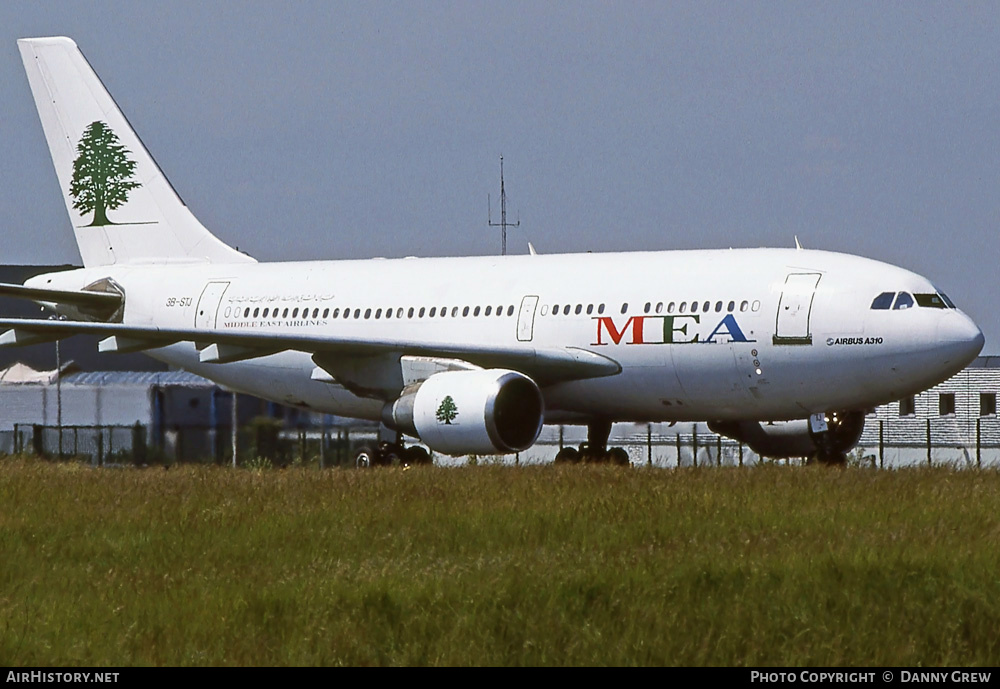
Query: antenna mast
(503, 224)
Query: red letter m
(605, 323)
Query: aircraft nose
(962, 337)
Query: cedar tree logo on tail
(101, 173)
(447, 412)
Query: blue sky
(328, 130)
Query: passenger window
(454, 311)
(476, 311)
(694, 307)
(731, 307)
(246, 312)
(555, 310)
(706, 307)
(336, 313)
(368, 314)
(265, 312)
(684, 306)
(433, 311)
(670, 307)
(590, 309)
(378, 314)
(388, 313)
(903, 301)
(600, 308)
(645, 309)
(409, 314)
(489, 310)
(465, 311)
(883, 301)
(315, 313)
(624, 307)
(579, 309)
(326, 313)
(510, 310)
(755, 306)
(718, 306)
(284, 314)
(743, 305)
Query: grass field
(578, 565)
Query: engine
(782, 439)
(470, 412)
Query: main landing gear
(595, 450)
(386, 454)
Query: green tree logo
(447, 412)
(101, 173)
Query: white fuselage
(773, 334)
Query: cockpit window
(930, 300)
(903, 301)
(946, 300)
(883, 302)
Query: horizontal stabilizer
(97, 302)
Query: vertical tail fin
(122, 208)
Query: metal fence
(884, 444)
(255, 445)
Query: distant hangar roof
(141, 378)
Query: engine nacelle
(782, 439)
(470, 412)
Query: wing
(336, 354)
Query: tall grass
(576, 565)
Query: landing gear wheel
(365, 458)
(618, 456)
(390, 454)
(567, 455)
(416, 456)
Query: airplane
(783, 349)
